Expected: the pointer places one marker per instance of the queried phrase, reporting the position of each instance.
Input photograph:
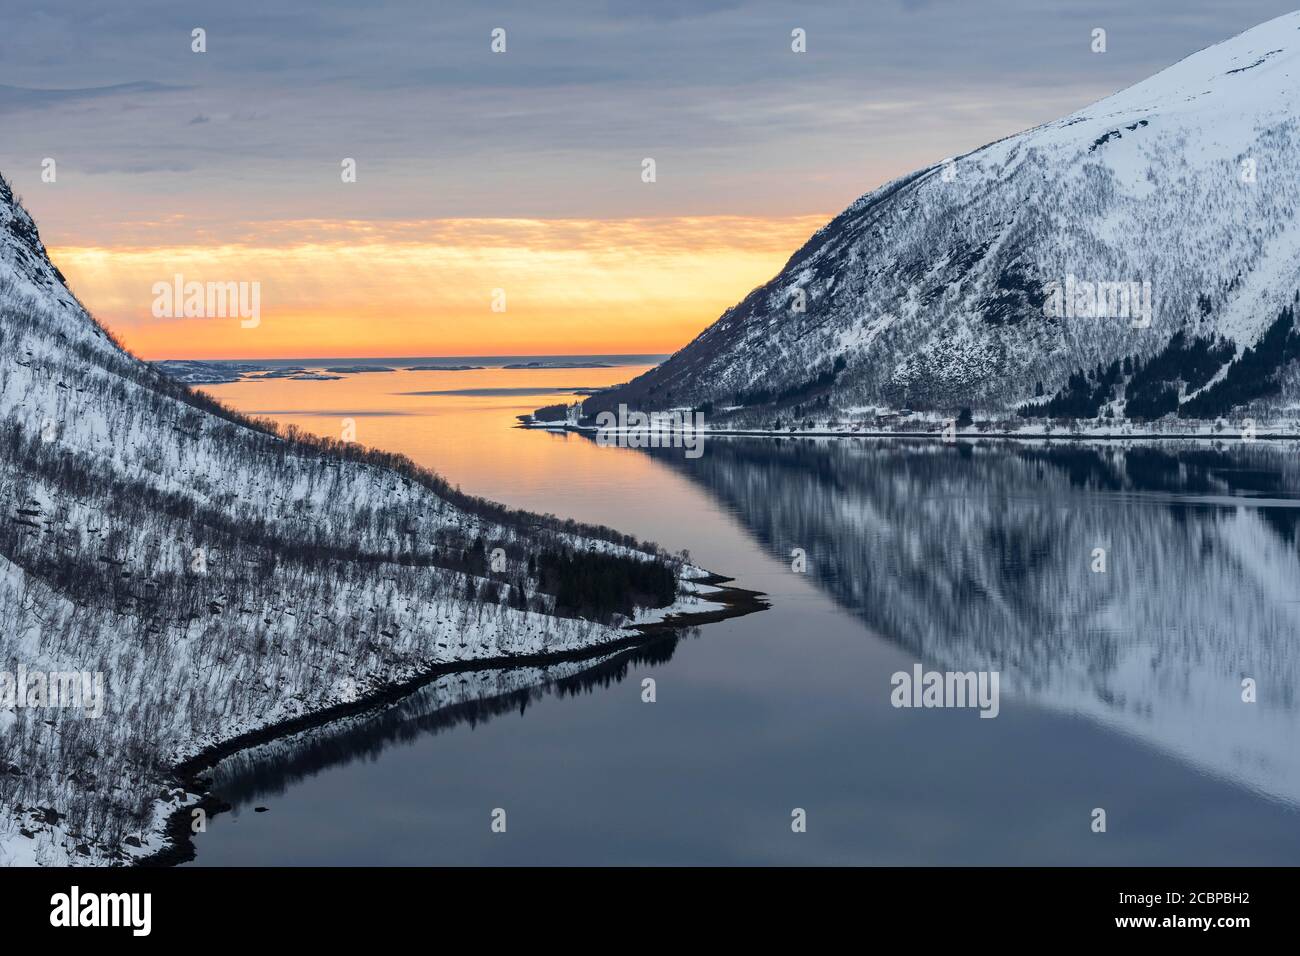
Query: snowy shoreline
(645, 436)
(703, 600)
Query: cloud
(670, 9)
(15, 98)
(139, 168)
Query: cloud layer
(157, 146)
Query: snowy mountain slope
(221, 578)
(935, 291)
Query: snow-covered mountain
(976, 281)
(210, 577)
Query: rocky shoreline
(734, 601)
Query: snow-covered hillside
(948, 287)
(220, 578)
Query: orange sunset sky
(426, 287)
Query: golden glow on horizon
(355, 289)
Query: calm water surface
(1120, 690)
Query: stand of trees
(1257, 374)
(595, 585)
(1155, 387)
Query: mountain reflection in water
(470, 698)
(979, 557)
(959, 557)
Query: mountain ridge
(214, 577)
(932, 291)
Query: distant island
(444, 368)
(525, 365)
(222, 372)
(195, 372)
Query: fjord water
(1120, 690)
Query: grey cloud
(15, 98)
(558, 125)
(138, 168)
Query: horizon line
(404, 358)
